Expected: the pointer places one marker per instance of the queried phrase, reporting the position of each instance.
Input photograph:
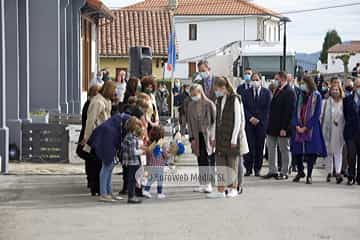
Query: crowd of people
(289, 122)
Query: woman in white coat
(332, 122)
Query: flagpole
(172, 31)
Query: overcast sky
(307, 30)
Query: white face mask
(304, 87)
(219, 94)
(195, 98)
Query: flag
(171, 53)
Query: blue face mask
(219, 94)
(276, 83)
(204, 75)
(247, 77)
(358, 91)
(324, 89)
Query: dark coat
(316, 145)
(257, 108)
(352, 117)
(242, 89)
(106, 139)
(79, 149)
(282, 108)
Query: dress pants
(354, 157)
(132, 180)
(284, 145)
(206, 163)
(93, 171)
(310, 159)
(256, 140)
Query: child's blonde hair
(134, 125)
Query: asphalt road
(58, 207)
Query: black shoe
(257, 174)
(282, 177)
(134, 201)
(351, 181)
(339, 179)
(247, 174)
(308, 180)
(299, 176)
(240, 190)
(270, 175)
(328, 178)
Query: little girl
(131, 152)
(157, 157)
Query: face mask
(138, 87)
(177, 84)
(358, 91)
(148, 91)
(255, 84)
(219, 94)
(247, 77)
(304, 87)
(276, 83)
(324, 89)
(187, 91)
(335, 94)
(348, 88)
(204, 75)
(195, 98)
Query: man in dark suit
(206, 79)
(351, 108)
(256, 107)
(279, 127)
(246, 85)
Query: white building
(202, 26)
(335, 65)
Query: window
(192, 69)
(192, 32)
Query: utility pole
(284, 20)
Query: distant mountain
(311, 58)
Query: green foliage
(331, 38)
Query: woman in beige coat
(98, 112)
(201, 119)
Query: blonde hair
(224, 82)
(134, 125)
(341, 90)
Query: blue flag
(171, 53)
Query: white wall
(336, 65)
(212, 33)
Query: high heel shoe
(339, 179)
(299, 176)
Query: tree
(345, 59)
(331, 38)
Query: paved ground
(58, 207)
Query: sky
(307, 30)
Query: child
(156, 160)
(131, 152)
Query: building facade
(132, 28)
(202, 26)
(46, 59)
(335, 65)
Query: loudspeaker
(140, 62)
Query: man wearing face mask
(351, 107)
(205, 79)
(349, 85)
(279, 128)
(256, 107)
(246, 85)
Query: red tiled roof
(207, 7)
(346, 47)
(135, 28)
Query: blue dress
(316, 144)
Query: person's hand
(83, 142)
(282, 133)
(254, 121)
